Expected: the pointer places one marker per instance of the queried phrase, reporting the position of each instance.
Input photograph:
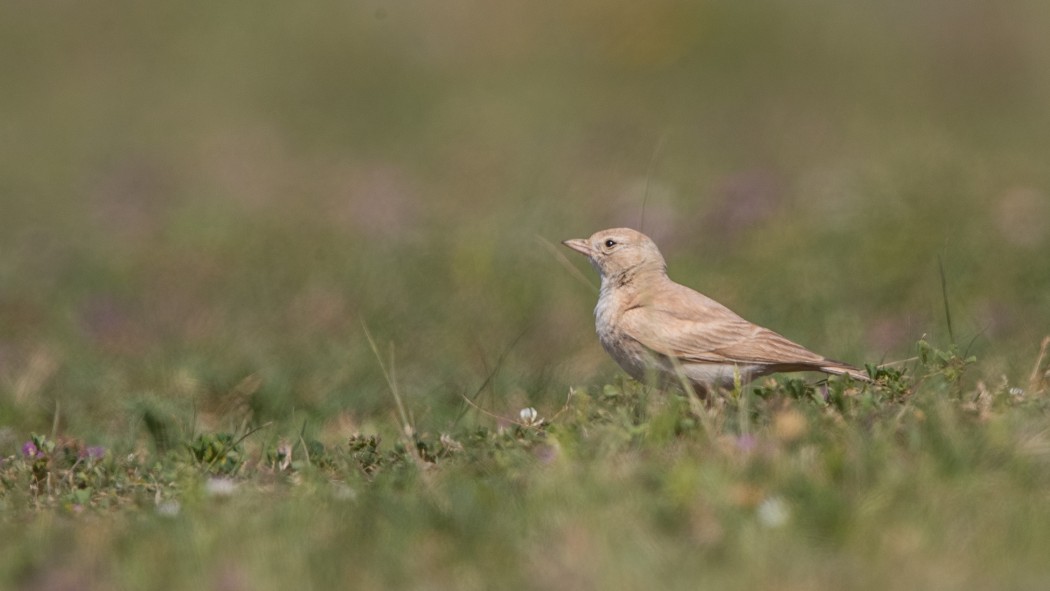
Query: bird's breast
(626, 351)
(606, 314)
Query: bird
(658, 330)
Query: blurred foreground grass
(202, 207)
(912, 483)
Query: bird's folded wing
(708, 332)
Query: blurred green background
(199, 199)
(204, 208)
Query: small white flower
(169, 508)
(530, 416)
(342, 492)
(773, 512)
(450, 444)
(1017, 392)
(220, 487)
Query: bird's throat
(636, 277)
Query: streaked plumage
(656, 328)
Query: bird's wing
(689, 326)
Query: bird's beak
(579, 245)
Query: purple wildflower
(30, 450)
(94, 452)
(746, 443)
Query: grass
(254, 262)
(916, 480)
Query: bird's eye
(610, 243)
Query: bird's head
(620, 253)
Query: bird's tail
(844, 369)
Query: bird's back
(684, 325)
